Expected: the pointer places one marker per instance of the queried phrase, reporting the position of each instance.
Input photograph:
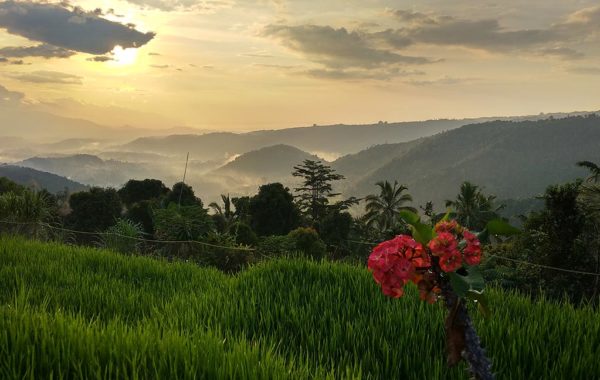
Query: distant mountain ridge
(332, 139)
(90, 169)
(39, 179)
(509, 159)
(276, 160)
(335, 140)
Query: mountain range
(511, 159)
(38, 180)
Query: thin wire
(513, 260)
(252, 249)
(546, 266)
(129, 237)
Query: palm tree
(383, 210)
(593, 168)
(472, 208)
(225, 212)
(589, 200)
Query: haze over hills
(38, 180)
(510, 159)
(92, 170)
(328, 142)
(41, 127)
(272, 161)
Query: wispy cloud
(43, 76)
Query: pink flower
(446, 226)
(472, 252)
(394, 263)
(443, 243)
(451, 261)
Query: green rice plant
(68, 312)
(124, 237)
(24, 213)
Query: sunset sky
(244, 65)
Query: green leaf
(446, 215)
(422, 233)
(481, 300)
(410, 217)
(502, 228)
(473, 281)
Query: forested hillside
(510, 159)
(39, 180)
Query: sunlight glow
(124, 56)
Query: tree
(136, 191)
(183, 195)
(472, 208)
(8, 186)
(182, 224)
(316, 188)
(273, 210)
(383, 210)
(224, 214)
(94, 210)
(242, 209)
(142, 213)
(335, 228)
(593, 168)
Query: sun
(124, 57)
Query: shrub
(181, 224)
(276, 246)
(123, 237)
(243, 234)
(228, 257)
(306, 240)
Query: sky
(245, 65)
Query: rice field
(72, 313)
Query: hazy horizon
(239, 65)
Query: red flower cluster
(472, 251)
(396, 262)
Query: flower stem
(480, 366)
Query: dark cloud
(67, 27)
(54, 77)
(42, 50)
(153, 53)
(479, 34)
(337, 48)
(100, 58)
(160, 66)
(490, 35)
(18, 62)
(412, 16)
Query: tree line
(314, 220)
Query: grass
(75, 313)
